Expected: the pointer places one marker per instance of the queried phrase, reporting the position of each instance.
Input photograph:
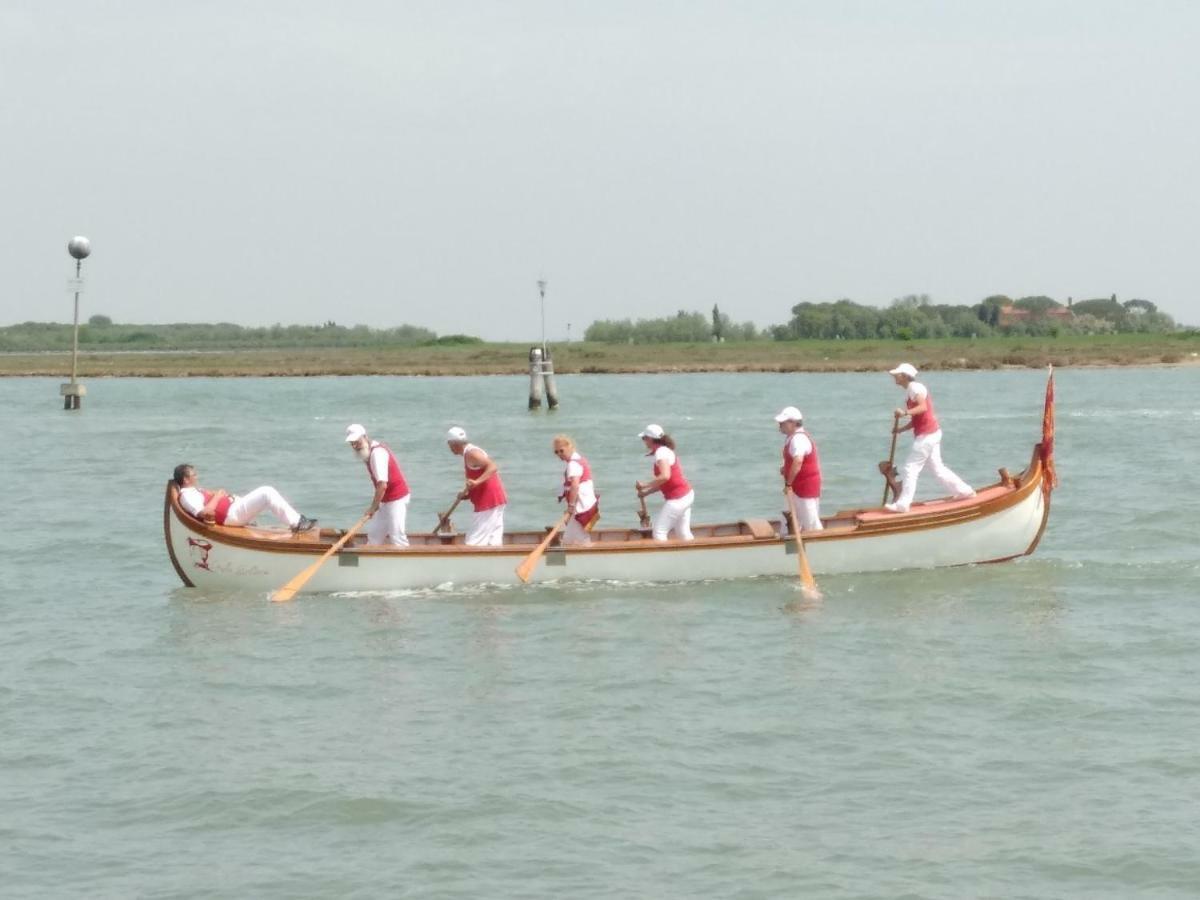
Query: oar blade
(808, 584)
(529, 564)
(289, 590)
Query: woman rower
(578, 490)
(678, 496)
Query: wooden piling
(72, 393)
(548, 379)
(535, 378)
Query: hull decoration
(1002, 521)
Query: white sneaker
(967, 496)
(893, 507)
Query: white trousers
(387, 525)
(575, 534)
(244, 509)
(808, 512)
(487, 528)
(928, 449)
(675, 516)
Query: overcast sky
(426, 162)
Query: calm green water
(1026, 730)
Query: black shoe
(305, 524)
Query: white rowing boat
(1002, 521)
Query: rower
(483, 488)
(675, 517)
(388, 511)
(578, 490)
(927, 441)
(801, 470)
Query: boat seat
(758, 528)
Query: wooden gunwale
(918, 519)
(168, 508)
(1037, 538)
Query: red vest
(397, 487)
(590, 513)
(484, 496)
(808, 480)
(676, 485)
(926, 422)
(222, 508)
(586, 476)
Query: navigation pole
(73, 392)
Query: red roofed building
(1011, 315)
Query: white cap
(354, 433)
(456, 434)
(905, 369)
(789, 414)
(652, 431)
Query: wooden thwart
(759, 528)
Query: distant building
(1011, 315)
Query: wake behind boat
(1002, 521)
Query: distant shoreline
(592, 358)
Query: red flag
(1050, 479)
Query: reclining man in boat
(223, 508)
(484, 489)
(927, 442)
(389, 504)
(801, 470)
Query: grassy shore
(758, 356)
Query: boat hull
(1005, 521)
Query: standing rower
(484, 489)
(678, 496)
(801, 470)
(927, 442)
(578, 490)
(389, 505)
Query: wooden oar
(643, 515)
(807, 583)
(445, 519)
(288, 591)
(525, 569)
(888, 469)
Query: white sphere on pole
(79, 247)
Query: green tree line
(911, 317)
(101, 333)
(688, 327)
(914, 316)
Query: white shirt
(664, 454)
(379, 462)
(587, 490)
(192, 499)
(917, 391)
(800, 445)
